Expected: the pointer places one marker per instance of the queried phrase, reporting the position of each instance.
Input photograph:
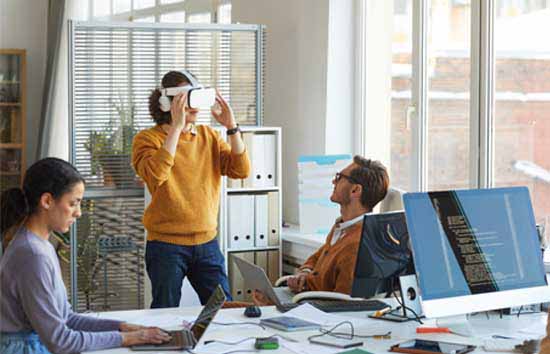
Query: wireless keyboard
(339, 305)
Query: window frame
(482, 75)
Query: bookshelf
(252, 210)
(12, 117)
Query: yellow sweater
(185, 189)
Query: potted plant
(111, 148)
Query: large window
(462, 110)
(178, 11)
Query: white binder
(248, 139)
(258, 161)
(261, 211)
(270, 160)
(241, 221)
(273, 218)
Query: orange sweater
(333, 267)
(185, 189)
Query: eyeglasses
(339, 176)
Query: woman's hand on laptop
(130, 327)
(151, 335)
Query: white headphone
(165, 102)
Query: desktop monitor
(475, 250)
(383, 254)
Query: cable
(351, 335)
(229, 343)
(241, 341)
(239, 323)
(402, 305)
(324, 333)
(519, 312)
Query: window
(174, 17)
(175, 11)
(522, 103)
(435, 109)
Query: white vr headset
(198, 97)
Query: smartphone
(336, 341)
(422, 346)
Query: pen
(433, 330)
(382, 312)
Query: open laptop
(255, 278)
(188, 338)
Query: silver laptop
(255, 278)
(188, 338)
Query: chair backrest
(393, 200)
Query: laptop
(188, 338)
(256, 278)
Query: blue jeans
(168, 264)
(21, 343)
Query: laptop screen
(207, 314)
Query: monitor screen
(474, 242)
(383, 254)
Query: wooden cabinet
(12, 117)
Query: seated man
(357, 189)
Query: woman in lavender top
(35, 316)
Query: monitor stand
(457, 325)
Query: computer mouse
(252, 311)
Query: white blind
(114, 67)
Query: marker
(433, 330)
(382, 312)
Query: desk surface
(171, 318)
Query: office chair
(393, 200)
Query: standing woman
(35, 316)
(182, 165)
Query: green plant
(115, 139)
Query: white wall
(23, 25)
(309, 75)
(340, 77)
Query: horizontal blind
(113, 69)
(109, 258)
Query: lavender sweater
(33, 298)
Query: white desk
(508, 325)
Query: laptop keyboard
(340, 305)
(180, 338)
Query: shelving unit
(12, 117)
(260, 244)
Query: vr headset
(198, 97)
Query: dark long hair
(49, 175)
(170, 79)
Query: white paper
(310, 313)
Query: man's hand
(224, 116)
(177, 111)
(144, 336)
(260, 299)
(297, 283)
